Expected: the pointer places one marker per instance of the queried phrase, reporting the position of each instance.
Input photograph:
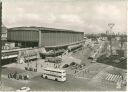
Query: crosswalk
(99, 76)
(106, 80)
(103, 78)
(108, 77)
(113, 78)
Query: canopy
(74, 46)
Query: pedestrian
(15, 74)
(20, 77)
(118, 85)
(75, 71)
(27, 76)
(17, 77)
(12, 75)
(9, 75)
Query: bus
(54, 74)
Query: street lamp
(0, 37)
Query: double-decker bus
(54, 74)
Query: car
(90, 58)
(73, 63)
(65, 66)
(23, 89)
(93, 61)
(122, 59)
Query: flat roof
(24, 28)
(34, 28)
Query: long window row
(54, 75)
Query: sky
(89, 16)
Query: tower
(109, 35)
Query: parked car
(23, 89)
(73, 63)
(65, 66)
(122, 59)
(93, 61)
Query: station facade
(44, 37)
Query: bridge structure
(21, 53)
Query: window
(52, 75)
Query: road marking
(107, 77)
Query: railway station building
(48, 38)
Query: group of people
(18, 76)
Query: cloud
(82, 15)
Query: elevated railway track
(15, 55)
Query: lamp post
(0, 37)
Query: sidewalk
(5, 88)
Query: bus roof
(55, 69)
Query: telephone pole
(0, 38)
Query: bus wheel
(46, 77)
(56, 79)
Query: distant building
(4, 33)
(44, 37)
(6, 45)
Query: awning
(74, 46)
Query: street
(38, 84)
(93, 80)
(73, 83)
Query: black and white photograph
(63, 45)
